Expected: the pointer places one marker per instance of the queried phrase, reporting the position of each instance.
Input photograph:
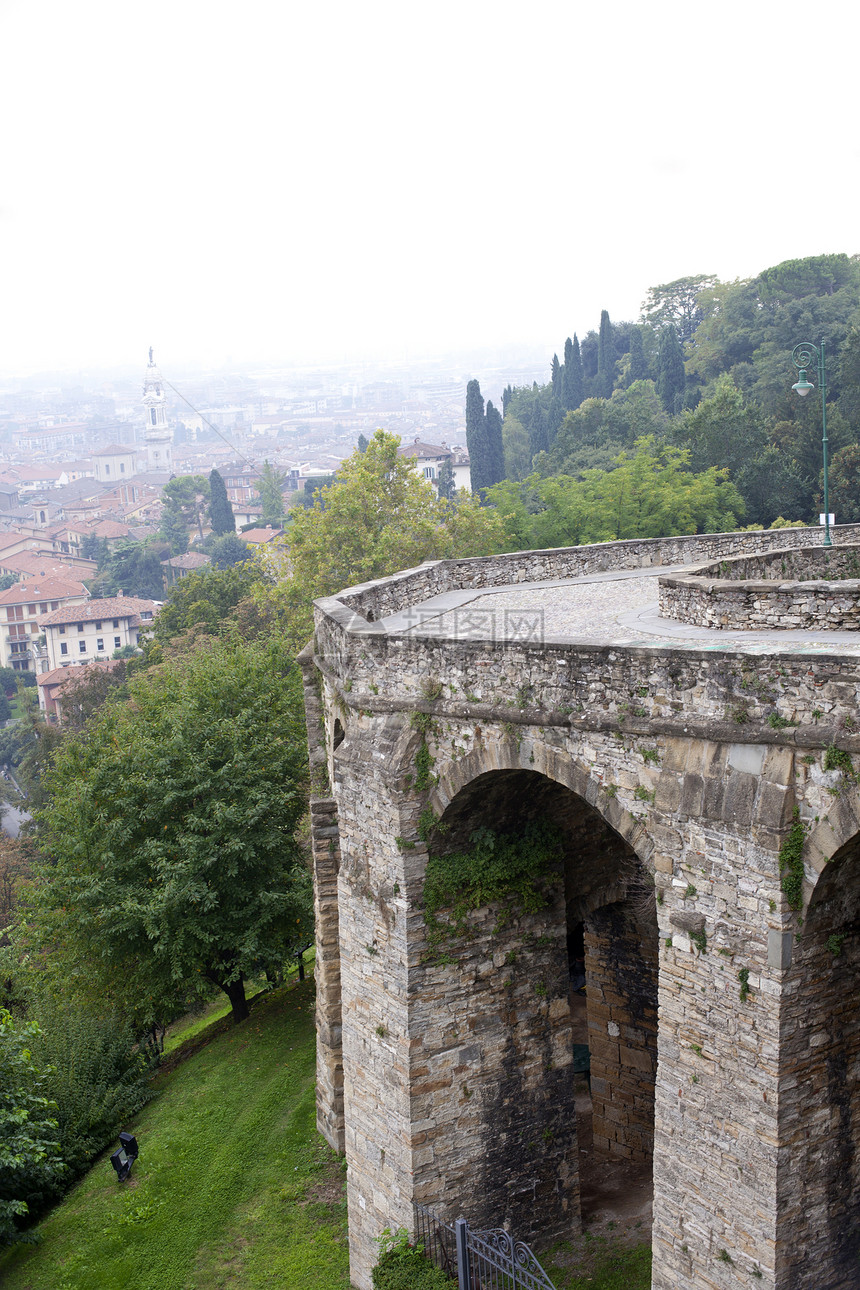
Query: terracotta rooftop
(47, 564)
(259, 535)
(191, 560)
(419, 449)
(97, 610)
(43, 589)
(72, 672)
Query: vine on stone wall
(508, 870)
(791, 862)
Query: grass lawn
(233, 1186)
(598, 1263)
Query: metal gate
(486, 1260)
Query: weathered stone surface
(454, 1082)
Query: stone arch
(819, 1192)
(524, 1065)
(827, 838)
(554, 763)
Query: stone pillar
(326, 863)
(621, 972)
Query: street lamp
(805, 356)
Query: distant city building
(84, 633)
(113, 463)
(179, 566)
(158, 435)
(21, 609)
(428, 458)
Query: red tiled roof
(44, 589)
(96, 610)
(72, 672)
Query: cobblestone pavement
(618, 609)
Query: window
(82, 647)
(122, 467)
(64, 648)
(80, 627)
(100, 643)
(117, 642)
(31, 609)
(116, 622)
(98, 627)
(152, 416)
(62, 631)
(107, 469)
(16, 632)
(429, 472)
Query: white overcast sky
(272, 180)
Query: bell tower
(158, 435)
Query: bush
(402, 1266)
(96, 1076)
(30, 1168)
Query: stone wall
(740, 593)
(679, 766)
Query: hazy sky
(283, 181)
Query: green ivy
(791, 863)
(509, 870)
(838, 759)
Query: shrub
(403, 1266)
(96, 1077)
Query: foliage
(169, 829)
(30, 1168)
(87, 689)
(186, 498)
(681, 303)
(402, 1266)
(227, 551)
(477, 439)
(510, 869)
(96, 1076)
(131, 567)
(233, 1183)
(791, 862)
(377, 517)
(221, 515)
(650, 493)
(202, 601)
(269, 487)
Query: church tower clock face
(158, 434)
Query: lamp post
(805, 356)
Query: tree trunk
(235, 992)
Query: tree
(556, 377)
(269, 488)
(173, 528)
(605, 356)
(445, 485)
(362, 443)
(228, 550)
(30, 1168)
(477, 439)
(672, 379)
(221, 515)
(494, 438)
(169, 830)
(190, 494)
(638, 368)
(843, 485)
(678, 303)
(573, 389)
(202, 602)
(517, 444)
(377, 517)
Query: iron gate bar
(498, 1250)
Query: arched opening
(819, 1197)
(564, 1008)
(338, 734)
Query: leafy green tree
(507, 395)
(173, 528)
(843, 485)
(517, 445)
(169, 831)
(538, 439)
(134, 568)
(221, 515)
(190, 494)
(683, 303)
(228, 550)
(202, 603)
(377, 517)
(638, 367)
(556, 377)
(445, 485)
(30, 1165)
(362, 443)
(269, 487)
(672, 379)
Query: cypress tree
(555, 416)
(221, 515)
(556, 377)
(605, 356)
(494, 439)
(477, 442)
(638, 370)
(573, 389)
(672, 378)
(507, 395)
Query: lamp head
(802, 385)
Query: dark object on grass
(124, 1156)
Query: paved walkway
(619, 607)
